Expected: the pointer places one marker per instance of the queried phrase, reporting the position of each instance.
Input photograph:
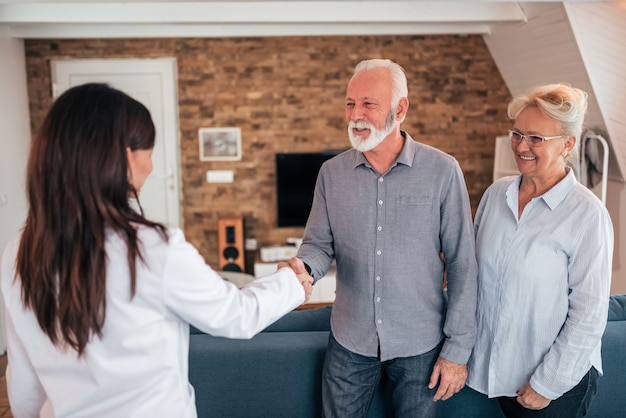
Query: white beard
(376, 136)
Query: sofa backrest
(317, 319)
(617, 307)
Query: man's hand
(451, 378)
(529, 399)
(305, 279)
(295, 263)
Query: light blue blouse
(544, 284)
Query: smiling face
(368, 108)
(547, 160)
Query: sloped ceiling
(581, 42)
(600, 33)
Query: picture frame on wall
(220, 144)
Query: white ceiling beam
(262, 12)
(72, 31)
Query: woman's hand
(529, 399)
(306, 282)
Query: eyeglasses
(532, 139)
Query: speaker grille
(230, 244)
(232, 267)
(231, 253)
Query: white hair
(399, 87)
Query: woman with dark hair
(98, 298)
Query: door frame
(167, 69)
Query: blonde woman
(544, 245)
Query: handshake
(305, 278)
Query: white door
(153, 83)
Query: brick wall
(287, 95)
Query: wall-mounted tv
(296, 174)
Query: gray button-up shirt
(386, 233)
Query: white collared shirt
(544, 283)
(139, 366)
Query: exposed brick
(287, 95)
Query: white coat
(139, 366)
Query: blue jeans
(349, 381)
(572, 404)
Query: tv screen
(296, 174)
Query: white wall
(616, 205)
(14, 140)
(599, 31)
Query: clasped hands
(305, 278)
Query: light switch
(220, 176)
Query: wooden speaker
(230, 244)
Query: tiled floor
(5, 411)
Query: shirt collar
(407, 154)
(405, 157)
(555, 195)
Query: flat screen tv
(296, 174)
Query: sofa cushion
(610, 400)
(617, 307)
(272, 375)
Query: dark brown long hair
(77, 185)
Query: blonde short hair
(561, 102)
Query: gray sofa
(277, 373)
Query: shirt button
(377, 278)
(380, 202)
(379, 252)
(377, 299)
(379, 321)
(380, 228)
(381, 179)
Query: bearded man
(386, 211)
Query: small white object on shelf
(269, 254)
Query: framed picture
(220, 144)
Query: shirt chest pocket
(407, 200)
(413, 217)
